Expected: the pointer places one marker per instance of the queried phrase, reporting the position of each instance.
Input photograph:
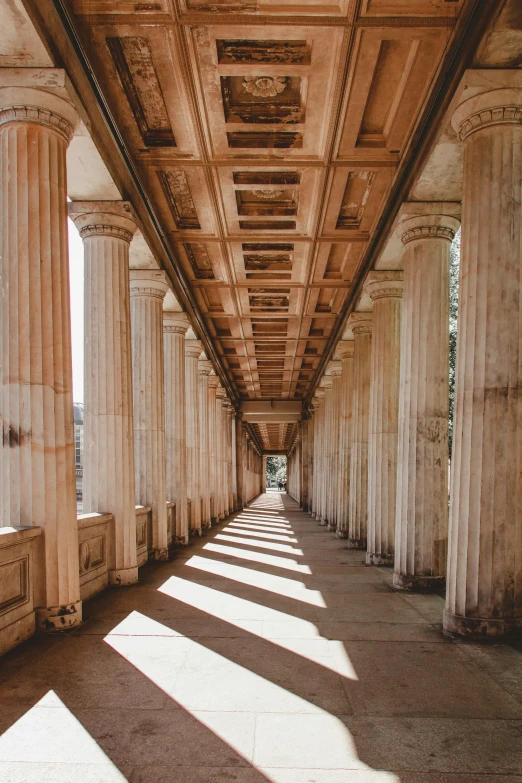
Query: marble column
(147, 291)
(107, 229)
(193, 350)
(175, 326)
(305, 445)
(240, 457)
(385, 290)
(319, 440)
(311, 452)
(421, 534)
(327, 384)
(230, 418)
(213, 382)
(220, 463)
(204, 368)
(333, 464)
(345, 350)
(484, 577)
(263, 475)
(37, 465)
(361, 325)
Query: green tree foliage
(453, 319)
(276, 469)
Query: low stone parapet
(95, 537)
(19, 553)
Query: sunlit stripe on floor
(258, 557)
(260, 720)
(264, 527)
(261, 534)
(280, 585)
(254, 542)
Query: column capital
(204, 367)
(319, 394)
(360, 323)
(38, 107)
(213, 381)
(148, 282)
(345, 349)
(221, 393)
(103, 218)
(326, 382)
(175, 323)
(193, 349)
(429, 227)
(334, 368)
(493, 107)
(384, 285)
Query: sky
(76, 283)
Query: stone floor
(266, 651)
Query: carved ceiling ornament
(268, 194)
(265, 86)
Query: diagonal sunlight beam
(258, 557)
(49, 744)
(267, 528)
(260, 534)
(254, 542)
(280, 585)
(253, 715)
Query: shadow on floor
(267, 651)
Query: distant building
(78, 447)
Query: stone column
(311, 451)
(193, 350)
(230, 418)
(240, 459)
(175, 325)
(385, 289)
(345, 350)
(333, 464)
(361, 325)
(327, 384)
(38, 473)
(263, 474)
(220, 397)
(107, 229)
(305, 445)
(204, 368)
(484, 578)
(213, 382)
(148, 288)
(319, 473)
(421, 533)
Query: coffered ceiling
(268, 135)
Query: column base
(123, 576)
(419, 584)
(357, 543)
(341, 533)
(182, 541)
(195, 531)
(59, 618)
(481, 628)
(332, 527)
(160, 554)
(322, 522)
(379, 560)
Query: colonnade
(390, 424)
(160, 430)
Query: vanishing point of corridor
(266, 651)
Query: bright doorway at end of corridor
(276, 473)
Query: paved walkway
(265, 652)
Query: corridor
(266, 651)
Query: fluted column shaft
(175, 325)
(345, 350)
(361, 324)
(484, 577)
(213, 382)
(333, 463)
(148, 289)
(230, 417)
(320, 394)
(220, 396)
(385, 289)
(107, 229)
(193, 350)
(327, 383)
(421, 533)
(38, 474)
(240, 457)
(204, 368)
